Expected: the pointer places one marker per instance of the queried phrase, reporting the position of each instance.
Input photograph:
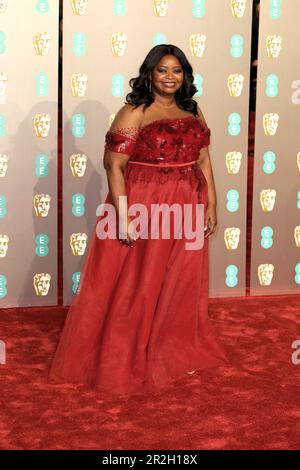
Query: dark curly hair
(140, 93)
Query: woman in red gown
(139, 319)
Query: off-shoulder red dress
(140, 317)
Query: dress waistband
(163, 164)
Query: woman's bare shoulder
(201, 115)
(129, 115)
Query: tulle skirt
(140, 319)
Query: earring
(150, 87)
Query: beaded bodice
(156, 148)
(164, 140)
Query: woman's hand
(129, 237)
(210, 220)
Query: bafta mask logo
(267, 199)
(265, 274)
(79, 7)
(41, 283)
(79, 84)
(235, 84)
(238, 8)
(298, 161)
(232, 237)
(197, 44)
(78, 242)
(273, 43)
(111, 118)
(78, 164)
(42, 42)
(41, 124)
(3, 5)
(3, 165)
(297, 235)
(4, 239)
(118, 44)
(270, 123)
(3, 83)
(160, 7)
(233, 162)
(41, 204)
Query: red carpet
(253, 404)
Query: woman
(139, 319)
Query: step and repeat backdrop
(275, 245)
(105, 43)
(28, 152)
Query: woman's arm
(210, 218)
(115, 159)
(205, 165)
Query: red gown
(139, 319)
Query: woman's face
(167, 75)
